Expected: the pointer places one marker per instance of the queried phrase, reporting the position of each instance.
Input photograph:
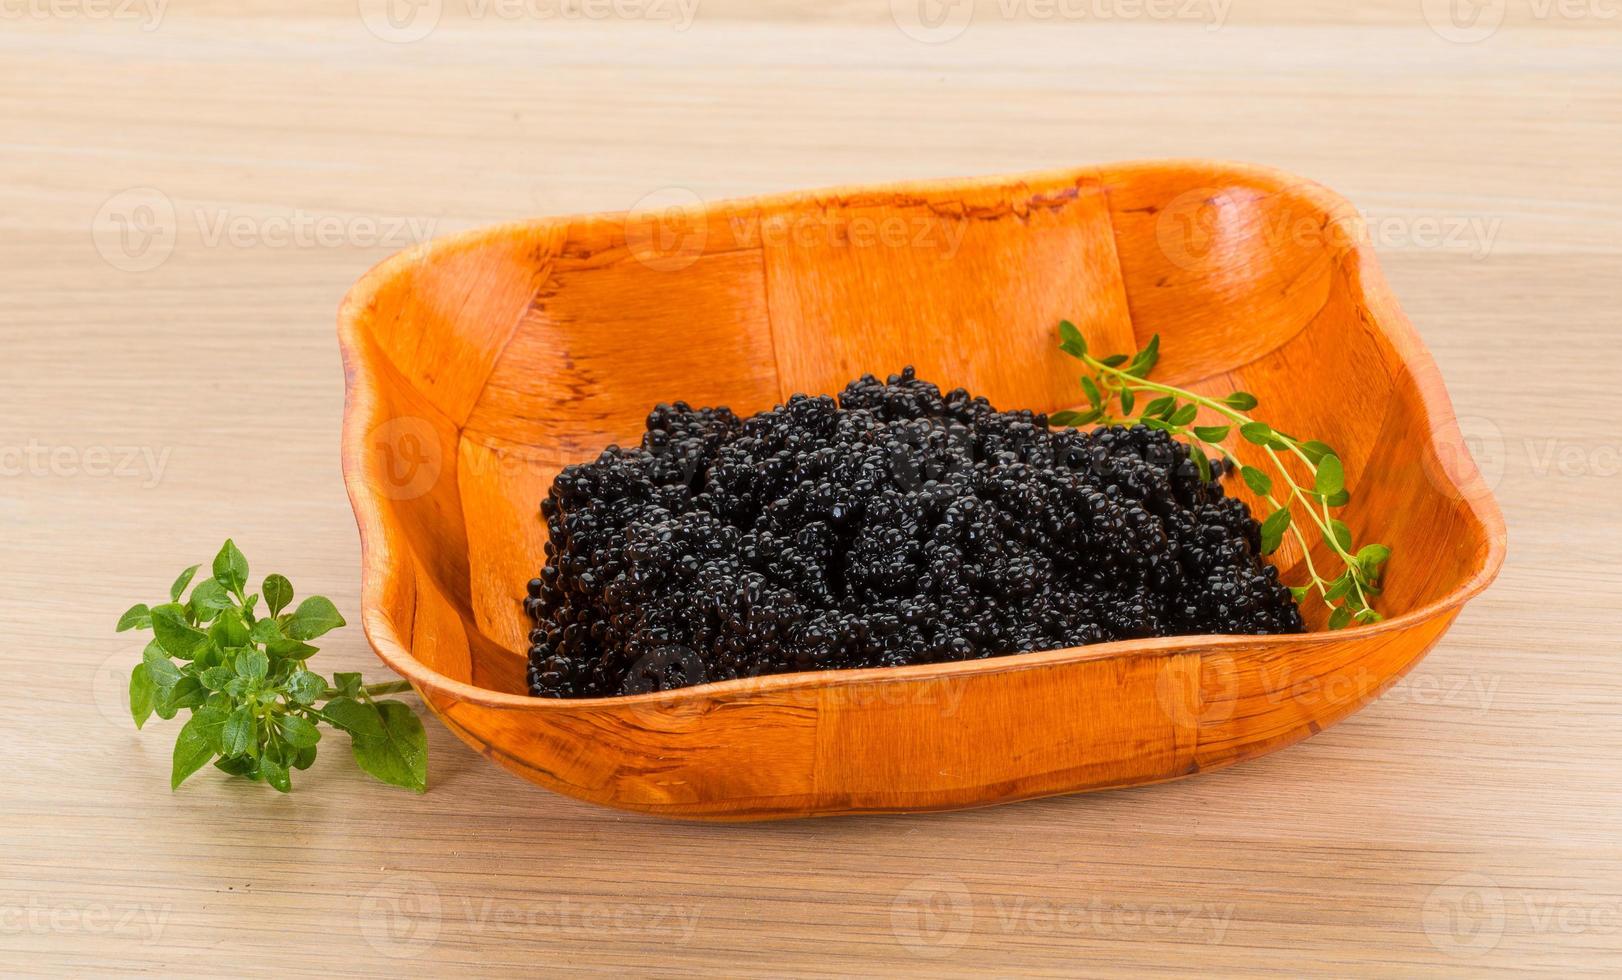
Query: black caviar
(893, 526)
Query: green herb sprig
(1122, 380)
(255, 705)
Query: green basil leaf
(231, 567)
(177, 636)
(1203, 464)
(347, 683)
(1260, 483)
(1373, 555)
(181, 583)
(1338, 499)
(252, 664)
(274, 773)
(1211, 433)
(143, 694)
(300, 734)
(1343, 534)
(237, 732)
(358, 718)
(210, 596)
(1161, 407)
(1128, 399)
(160, 670)
(1338, 588)
(278, 593)
(1184, 415)
(399, 756)
(265, 631)
(1273, 530)
(1242, 401)
(314, 616)
(1259, 433)
(305, 687)
(304, 757)
(137, 617)
(195, 745)
(1114, 360)
(241, 765)
(1340, 617)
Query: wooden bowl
(479, 365)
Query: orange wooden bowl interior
(477, 366)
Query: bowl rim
(378, 537)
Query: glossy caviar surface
(893, 526)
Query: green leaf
(181, 583)
(1299, 592)
(252, 664)
(274, 773)
(229, 630)
(188, 692)
(1340, 617)
(1338, 499)
(1273, 530)
(1242, 401)
(237, 733)
(1201, 463)
(399, 756)
(1373, 555)
(195, 745)
(354, 717)
(1063, 419)
(305, 687)
(217, 678)
(1338, 588)
(1128, 399)
(314, 616)
(177, 637)
(1161, 407)
(1366, 615)
(285, 649)
(1091, 389)
(304, 757)
(1259, 483)
(1259, 433)
(1154, 423)
(1315, 450)
(231, 567)
(160, 670)
(1331, 477)
(1070, 339)
(1211, 433)
(347, 683)
(241, 765)
(1114, 360)
(1343, 535)
(1146, 359)
(1184, 415)
(137, 617)
(299, 732)
(210, 596)
(143, 694)
(278, 593)
(265, 631)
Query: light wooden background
(183, 203)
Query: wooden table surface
(184, 198)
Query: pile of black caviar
(893, 526)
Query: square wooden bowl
(479, 365)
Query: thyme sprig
(1122, 380)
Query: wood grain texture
(1467, 822)
(953, 275)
